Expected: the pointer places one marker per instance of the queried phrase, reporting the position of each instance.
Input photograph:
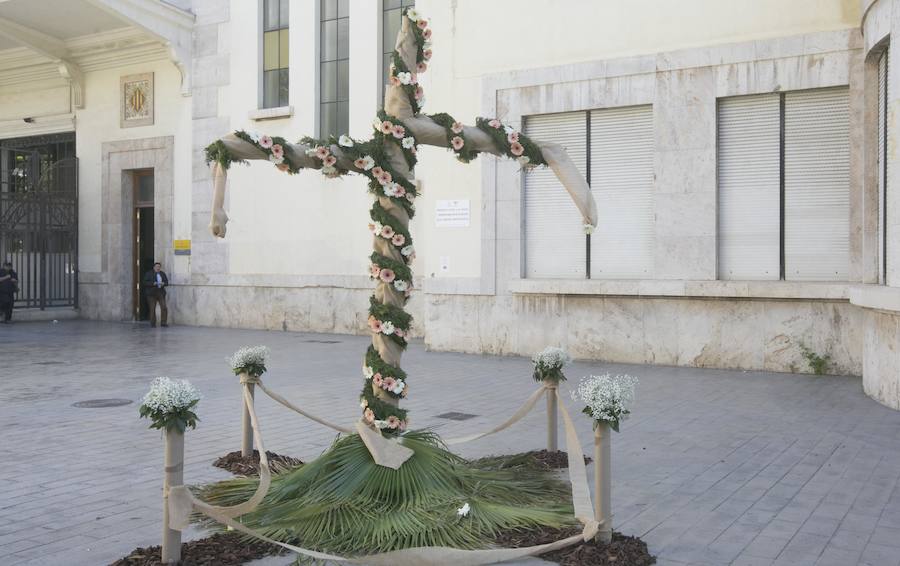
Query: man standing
(155, 283)
(9, 285)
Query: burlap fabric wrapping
(182, 503)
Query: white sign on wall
(452, 213)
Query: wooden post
(174, 476)
(552, 427)
(247, 428)
(602, 482)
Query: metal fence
(39, 225)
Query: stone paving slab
(715, 467)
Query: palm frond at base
(343, 503)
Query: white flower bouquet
(608, 399)
(249, 359)
(169, 404)
(548, 364)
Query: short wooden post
(602, 481)
(552, 426)
(174, 476)
(247, 428)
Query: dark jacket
(150, 287)
(8, 286)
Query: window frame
(283, 71)
(341, 125)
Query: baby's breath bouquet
(608, 398)
(169, 404)
(250, 360)
(548, 364)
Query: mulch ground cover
(622, 551)
(238, 465)
(232, 549)
(220, 549)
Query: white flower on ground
(170, 395)
(464, 510)
(387, 328)
(400, 285)
(345, 141)
(408, 142)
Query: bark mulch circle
(622, 551)
(238, 465)
(220, 549)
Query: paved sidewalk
(715, 467)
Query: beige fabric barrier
(278, 398)
(182, 503)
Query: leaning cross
(387, 160)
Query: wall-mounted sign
(137, 100)
(452, 213)
(182, 247)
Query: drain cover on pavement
(100, 403)
(454, 416)
(48, 363)
(313, 341)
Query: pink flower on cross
(377, 380)
(421, 67)
(398, 131)
(375, 270)
(512, 137)
(369, 416)
(386, 127)
(427, 54)
(394, 81)
(384, 177)
(322, 152)
(393, 422)
(457, 143)
(388, 383)
(456, 128)
(265, 142)
(387, 275)
(376, 171)
(495, 123)
(330, 160)
(422, 23)
(387, 232)
(359, 163)
(420, 92)
(277, 151)
(398, 239)
(516, 149)
(427, 33)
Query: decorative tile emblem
(137, 100)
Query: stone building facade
(692, 264)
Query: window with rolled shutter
(621, 169)
(817, 185)
(784, 186)
(749, 187)
(554, 238)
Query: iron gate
(39, 220)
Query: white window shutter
(554, 236)
(623, 245)
(749, 187)
(817, 185)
